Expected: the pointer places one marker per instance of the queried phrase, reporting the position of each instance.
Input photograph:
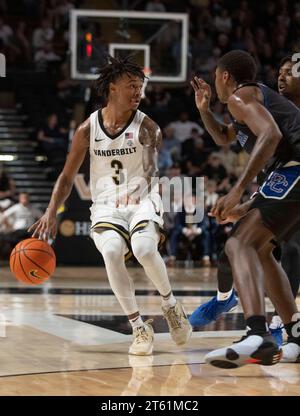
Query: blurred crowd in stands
(37, 32)
(16, 214)
(269, 30)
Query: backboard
(156, 41)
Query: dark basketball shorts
(278, 201)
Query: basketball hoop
(147, 71)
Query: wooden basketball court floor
(69, 337)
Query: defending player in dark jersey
(268, 126)
(288, 86)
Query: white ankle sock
(221, 296)
(168, 302)
(136, 322)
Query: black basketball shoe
(251, 349)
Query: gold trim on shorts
(104, 225)
(143, 224)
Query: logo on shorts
(275, 181)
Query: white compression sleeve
(144, 246)
(113, 248)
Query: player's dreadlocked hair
(240, 65)
(115, 68)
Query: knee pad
(144, 243)
(110, 244)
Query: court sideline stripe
(95, 369)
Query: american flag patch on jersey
(129, 136)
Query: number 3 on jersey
(119, 176)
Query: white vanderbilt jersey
(114, 160)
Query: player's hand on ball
(224, 205)
(233, 216)
(45, 228)
(202, 93)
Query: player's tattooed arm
(45, 227)
(151, 138)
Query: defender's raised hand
(202, 93)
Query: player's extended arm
(246, 109)
(262, 124)
(45, 227)
(220, 132)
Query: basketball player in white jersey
(126, 215)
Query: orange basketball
(32, 261)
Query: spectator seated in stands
(223, 22)
(188, 238)
(42, 35)
(194, 154)
(214, 169)
(229, 158)
(182, 127)
(171, 144)
(68, 89)
(46, 58)
(164, 161)
(54, 142)
(211, 195)
(15, 222)
(7, 189)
